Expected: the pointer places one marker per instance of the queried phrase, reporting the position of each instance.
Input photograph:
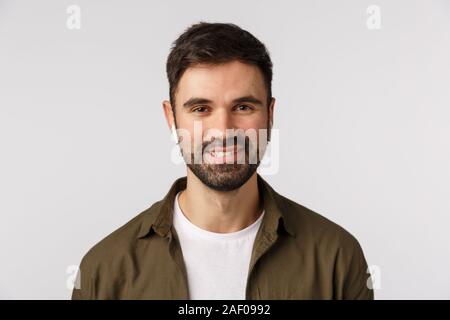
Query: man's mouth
(221, 152)
(223, 155)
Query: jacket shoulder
(308, 224)
(104, 259)
(121, 238)
(334, 247)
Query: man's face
(220, 97)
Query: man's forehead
(221, 81)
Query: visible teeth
(222, 154)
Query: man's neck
(219, 211)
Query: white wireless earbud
(269, 135)
(174, 134)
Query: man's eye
(243, 107)
(199, 109)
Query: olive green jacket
(297, 254)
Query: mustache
(238, 141)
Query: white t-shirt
(217, 264)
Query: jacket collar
(158, 218)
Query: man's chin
(223, 177)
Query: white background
(363, 117)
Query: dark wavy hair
(215, 43)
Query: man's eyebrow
(250, 99)
(195, 100)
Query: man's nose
(222, 122)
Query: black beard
(226, 176)
(223, 177)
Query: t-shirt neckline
(194, 229)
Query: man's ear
(271, 109)
(270, 115)
(168, 113)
